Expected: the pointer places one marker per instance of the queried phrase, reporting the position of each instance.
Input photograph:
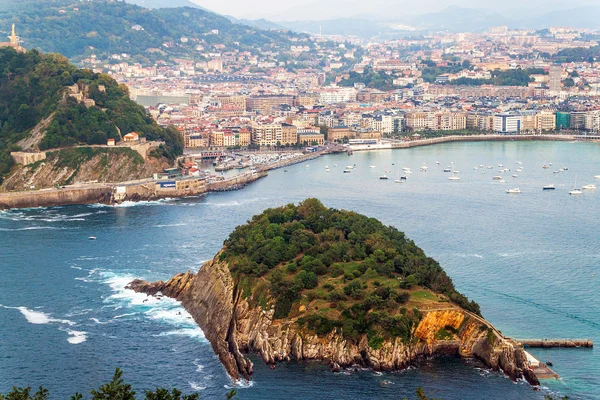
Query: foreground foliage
(347, 271)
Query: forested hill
(75, 28)
(33, 86)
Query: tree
(116, 389)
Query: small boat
(349, 166)
(480, 165)
(437, 162)
(285, 170)
(561, 170)
(489, 167)
(383, 177)
(372, 166)
(455, 172)
(548, 187)
(447, 170)
(515, 176)
(92, 238)
(454, 178)
(398, 180)
(502, 181)
(519, 162)
(497, 178)
(307, 166)
(591, 186)
(327, 170)
(347, 171)
(549, 363)
(404, 177)
(566, 169)
(513, 191)
(519, 170)
(501, 166)
(327, 167)
(545, 166)
(475, 168)
(555, 172)
(483, 172)
(423, 169)
(575, 191)
(335, 165)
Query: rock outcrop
(234, 327)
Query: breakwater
(116, 193)
(550, 343)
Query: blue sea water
(531, 261)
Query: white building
(509, 124)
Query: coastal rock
(233, 327)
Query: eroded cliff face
(234, 327)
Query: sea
(531, 260)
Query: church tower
(14, 40)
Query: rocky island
(307, 282)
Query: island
(307, 282)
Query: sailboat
(575, 191)
(398, 179)
(454, 177)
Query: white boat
(597, 177)
(372, 166)
(489, 167)
(500, 165)
(497, 178)
(437, 162)
(483, 172)
(548, 187)
(349, 166)
(575, 191)
(561, 170)
(502, 181)
(424, 168)
(591, 186)
(519, 170)
(335, 165)
(399, 178)
(92, 238)
(515, 176)
(481, 166)
(454, 176)
(513, 191)
(307, 166)
(475, 168)
(327, 167)
(327, 170)
(519, 162)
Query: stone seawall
(56, 197)
(116, 193)
(479, 138)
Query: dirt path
(36, 135)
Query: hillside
(308, 282)
(75, 29)
(34, 87)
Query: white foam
(195, 333)
(30, 228)
(196, 386)
(240, 384)
(168, 225)
(38, 317)
(76, 337)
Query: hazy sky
(329, 9)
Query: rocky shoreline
(235, 328)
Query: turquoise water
(531, 261)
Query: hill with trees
(350, 272)
(76, 29)
(35, 87)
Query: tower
(555, 78)
(14, 40)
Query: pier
(551, 343)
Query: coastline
(148, 189)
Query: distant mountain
(452, 19)
(76, 28)
(259, 23)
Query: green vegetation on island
(336, 269)
(35, 86)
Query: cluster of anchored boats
(454, 175)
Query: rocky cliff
(79, 165)
(234, 327)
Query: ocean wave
(240, 384)
(168, 225)
(199, 367)
(163, 310)
(235, 203)
(31, 228)
(160, 202)
(76, 337)
(464, 255)
(196, 386)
